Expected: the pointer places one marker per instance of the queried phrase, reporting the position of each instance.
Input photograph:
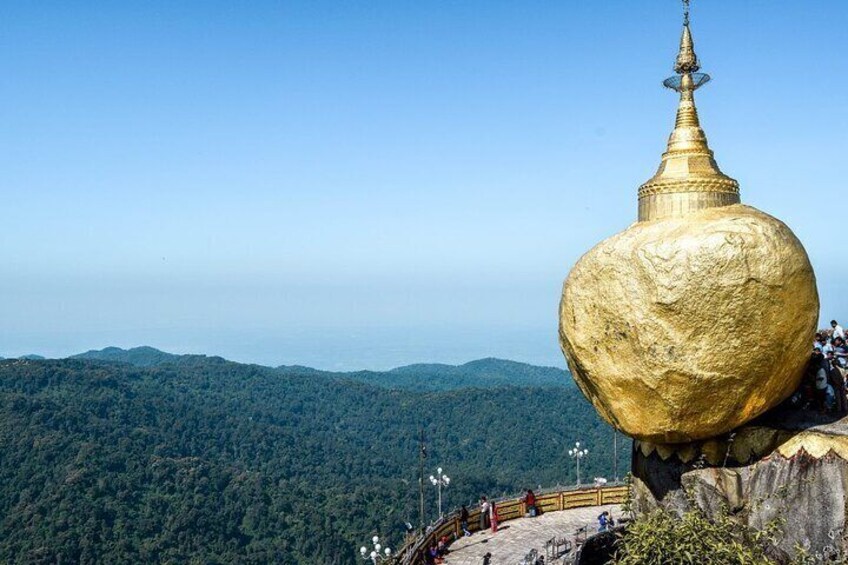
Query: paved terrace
(516, 538)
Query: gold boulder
(686, 328)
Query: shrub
(662, 537)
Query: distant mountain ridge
(144, 356)
(28, 357)
(421, 377)
(482, 373)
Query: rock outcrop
(788, 470)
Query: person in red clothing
(530, 503)
(493, 516)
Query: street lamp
(374, 555)
(439, 481)
(577, 454)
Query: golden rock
(685, 328)
(700, 316)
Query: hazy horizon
(348, 349)
(366, 185)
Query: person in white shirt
(484, 514)
(837, 330)
(827, 348)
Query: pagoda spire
(688, 178)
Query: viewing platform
(516, 538)
(565, 514)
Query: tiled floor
(517, 537)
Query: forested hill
(208, 461)
(144, 356)
(483, 373)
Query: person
(830, 399)
(435, 552)
(821, 339)
(827, 347)
(442, 547)
(837, 330)
(840, 352)
(819, 372)
(493, 517)
(530, 502)
(484, 513)
(463, 521)
(487, 558)
(836, 381)
(431, 555)
(604, 521)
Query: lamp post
(374, 555)
(439, 481)
(577, 454)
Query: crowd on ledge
(823, 387)
(435, 554)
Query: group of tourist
(435, 554)
(489, 513)
(488, 518)
(824, 385)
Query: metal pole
(421, 455)
(615, 454)
(578, 469)
(440, 497)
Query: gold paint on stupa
(700, 316)
(688, 178)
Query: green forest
(151, 457)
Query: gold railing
(509, 509)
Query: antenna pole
(615, 454)
(422, 453)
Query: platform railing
(555, 500)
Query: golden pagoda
(701, 315)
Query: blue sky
(367, 184)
